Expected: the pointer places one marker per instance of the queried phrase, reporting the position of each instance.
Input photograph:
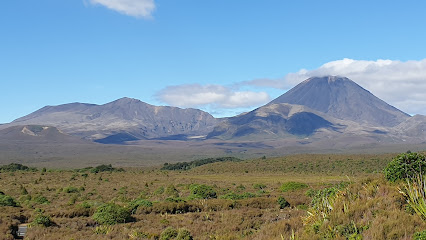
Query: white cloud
(213, 96)
(135, 8)
(401, 84)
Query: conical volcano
(342, 98)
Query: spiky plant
(415, 193)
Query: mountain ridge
(143, 120)
(317, 108)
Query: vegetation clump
(420, 235)
(202, 191)
(197, 163)
(234, 196)
(111, 213)
(405, 165)
(292, 186)
(16, 167)
(171, 233)
(136, 203)
(42, 220)
(6, 200)
(100, 168)
(282, 202)
(41, 199)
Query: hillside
(130, 117)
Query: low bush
(42, 220)
(136, 203)
(202, 191)
(100, 168)
(405, 165)
(16, 167)
(184, 234)
(6, 200)
(283, 203)
(111, 213)
(171, 233)
(41, 199)
(197, 163)
(168, 233)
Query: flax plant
(415, 193)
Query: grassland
(245, 204)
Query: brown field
(368, 208)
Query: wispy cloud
(212, 96)
(135, 8)
(401, 84)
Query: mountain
(122, 120)
(325, 109)
(413, 127)
(341, 98)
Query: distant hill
(37, 134)
(122, 120)
(341, 98)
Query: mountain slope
(342, 98)
(36, 134)
(123, 116)
(274, 121)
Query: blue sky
(237, 55)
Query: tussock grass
(367, 207)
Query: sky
(224, 57)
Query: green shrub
(42, 220)
(133, 205)
(41, 199)
(171, 191)
(405, 165)
(6, 200)
(168, 233)
(111, 213)
(184, 234)
(16, 167)
(197, 163)
(291, 186)
(420, 235)
(105, 168)
(283, 203)
(202, 191)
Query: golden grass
(370, 206)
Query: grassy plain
(245, 206)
